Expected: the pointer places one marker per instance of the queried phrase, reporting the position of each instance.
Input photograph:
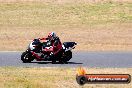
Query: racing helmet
(52, 35)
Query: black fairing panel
(69, 44)
(36, 42)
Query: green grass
(36, 14)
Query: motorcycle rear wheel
(66, 58)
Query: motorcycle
(35, 47)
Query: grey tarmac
(85, 59)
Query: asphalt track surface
(86, 59)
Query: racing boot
(52, 56)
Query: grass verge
(14, 77)
(96, 26)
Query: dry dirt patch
(105, 38)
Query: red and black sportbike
(36, 52)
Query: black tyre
(68, 55)
(66, 58)
(81, 80)
(53, 61)
(63, 62)
(26, 57)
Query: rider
(54, 43)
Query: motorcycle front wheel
(26, 57)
